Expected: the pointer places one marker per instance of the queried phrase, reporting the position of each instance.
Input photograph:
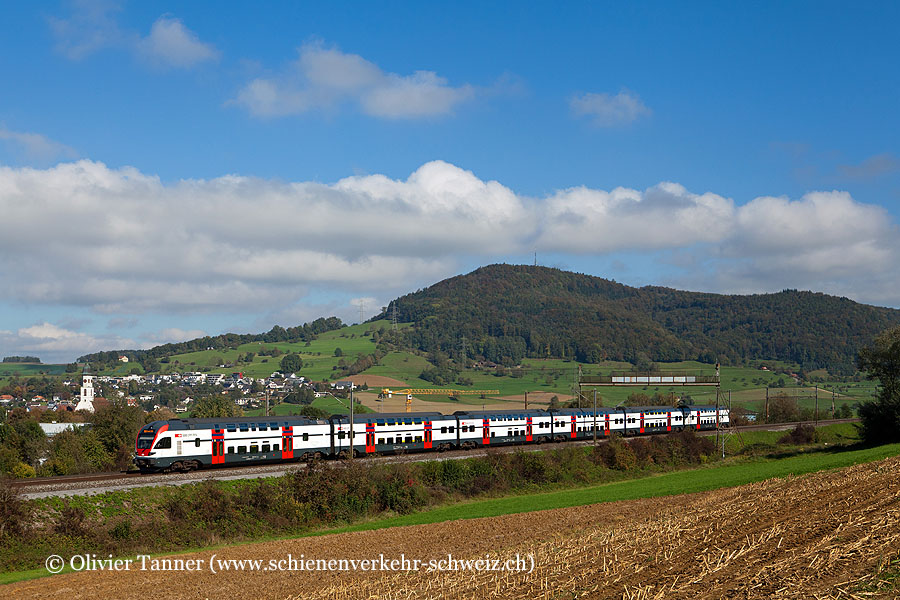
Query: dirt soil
(817, 536)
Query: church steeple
(86, 400)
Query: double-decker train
(187, 444)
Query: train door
(287, 442)
(218, 446)
(642, 422)
(528, 436)
(370, 437)
(698, 419)
(574, 431)
(485, 431)
(668, 421)
(428, 444)
(606, 423)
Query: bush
(801, 434)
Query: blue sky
(173, 169)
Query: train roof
(532, 412)
(373, 417)
(282, 420)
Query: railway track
(100, 482)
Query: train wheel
(317, 456)
(177, 466)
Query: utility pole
(767, 404)
(817, 405)
(832, 403)
(595, 417)
(526, 400)
(351, 420)
(267, 401)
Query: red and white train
(187, 444)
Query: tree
(291, 363)
(116, 427)
(215, 406)
(881, 418)
(338, 351)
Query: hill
(505, 313)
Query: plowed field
(817, 536)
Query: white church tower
(87, 391)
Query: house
(6, 399)
(123, 359)
(51, 429)
(343, 385)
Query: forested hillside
(507, 312)
(300, 333)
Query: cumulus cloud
(591, 221)
(606, 110)
(53, 343)
(326, 78)
(121, 242)
(92, 25)
(35, 146)
(170, 43)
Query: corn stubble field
(825, 535)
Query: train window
(265, 448)
(418, 438)
(305, 437)
(242, 449)
(409, 439)
(262, 426)
(163, 443)
(273, 426)
(274, 447)
(380, 440)
(254, 447)
(493, 433)
(231, 427)
(451, 429)
(243, 427)
(197, 442)
(252, 426)
(230, 449)
(444, 429)
(417, 421)
(340, 435)
(215, 449)
(390, 440)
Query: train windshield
(145, 440)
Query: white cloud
(92, 25)
(36, 146)
(53, 343)
(121, 242)
(325, 78)
(584, 220)
(172, 44)
(605, 110)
